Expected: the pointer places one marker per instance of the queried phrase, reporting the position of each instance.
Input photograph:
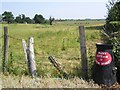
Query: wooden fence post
(57, 66)
(25, 51)
(83, 52)
(30, 54)
(5, 60)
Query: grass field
(60, 40)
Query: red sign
(103, 58)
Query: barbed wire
(56, 56)
(15, 38)
(46, 56)
(45, 45)
(40, 55)
(60, 46)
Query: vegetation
(66, 50)
(112, 27)
(27, 82)
(39, 19)
(51, 20)
(9, 18)
(113, 11)
(23, 19)
(60, 40)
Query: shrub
(113, 31)
(112, 28)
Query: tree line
(8, 17)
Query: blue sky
(71, 9)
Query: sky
(59, 9)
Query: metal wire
(15, 38)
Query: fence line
(46, 56)
(83, 52)
(5, 61)
(15, 38)
(20, 39)
(62, 45)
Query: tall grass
(60, 40)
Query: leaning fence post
(83, 52)
(5, 60)
(57, 66)
(31, 56)
(25, 51)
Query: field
(60, 40)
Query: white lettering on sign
(103, 58)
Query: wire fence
(64, 40)
(20, 39)
(59, 50)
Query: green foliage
(39, 19)
(28, 20)
(114, 11)
(112, 27)
(23, 19)
(59, 40)
(51, 20)
(116, 43)
(8, 17)
(18, 19)
(117, 49)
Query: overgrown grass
(27, 82)
(60, 40)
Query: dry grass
(47, 82)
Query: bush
(112, 27)
(113, 31)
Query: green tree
(8, 17)
(51, 20)
(23, 18)
(18, 19)
(113, 11)
(39, 19)
(28, 20)
(112, 25)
